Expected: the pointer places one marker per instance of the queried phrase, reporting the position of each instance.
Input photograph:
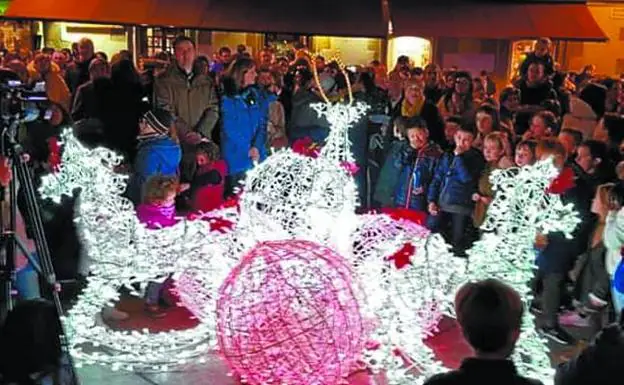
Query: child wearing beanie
(158, 152)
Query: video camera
(21, 102)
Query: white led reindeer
(293, 196)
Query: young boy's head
(493, 147)
(417, 133)
(490, 314)
(400, 125)
(525, 153)
(160, 190)
(542, 47)
(464, 137)
(591, 156)
(570, 139)
(206, 153)
(451, 125)
(158, 121)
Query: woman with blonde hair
(414, 104)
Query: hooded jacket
(417, 169)
(389, 174)
(157, 155)
(244, 125)
(455, 181)
(193, 99)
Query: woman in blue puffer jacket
(244, 116)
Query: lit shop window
(416, 48)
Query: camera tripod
(10, 242)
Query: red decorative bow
(418, 217)
(216, 224)
(306, 147)
(219, 224)
(54, 159)
(563, 182)
(232, 202)
(402, 257)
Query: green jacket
(389, 176)
(195, 101)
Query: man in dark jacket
(490, 314)
(433, 89)
(304, 120)
(556, 253)
(91, 98)
(535, 88)
(541, 54)
(450, 193)
(189, 96)
(78, 72)
(192, 98)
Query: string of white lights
(521, 209)
(291, 196)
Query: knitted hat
(159, 119)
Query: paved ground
(211, 373)
(215, 373)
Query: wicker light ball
(289, 314)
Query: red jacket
(208, 187)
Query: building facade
(490, 36)
(608, 57)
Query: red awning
(98, 11)
(320, 17)
(496, 21)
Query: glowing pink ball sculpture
(289, 314)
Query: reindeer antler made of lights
(341, 66)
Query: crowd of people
(449, 136)
(189, 128)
